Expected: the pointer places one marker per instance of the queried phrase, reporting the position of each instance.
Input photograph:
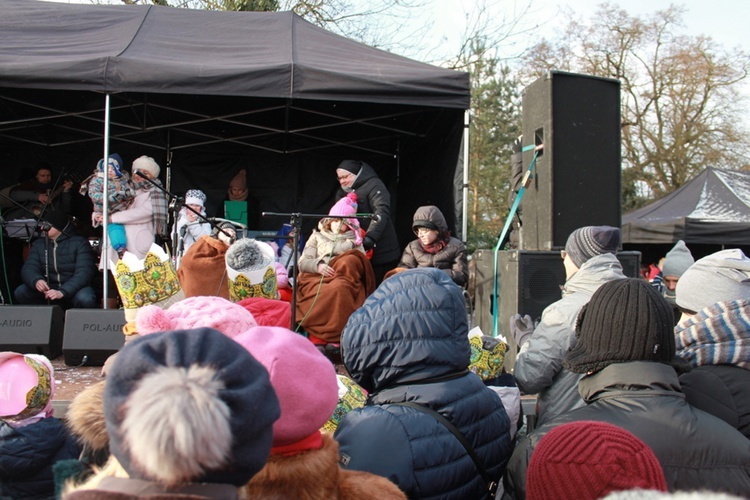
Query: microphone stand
(295, 219)
(177, 202)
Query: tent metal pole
(465, 201)
(103, 246)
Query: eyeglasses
(420, 231)
(342, 177)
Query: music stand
(21, 228)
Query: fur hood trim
(316, 474)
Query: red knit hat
(588, 460)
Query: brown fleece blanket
(203, 269)
(324, 306)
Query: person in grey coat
(589, 263)
(435, 247)
(625, 351)
(409, 343)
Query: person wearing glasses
(434, 247)
(373, 198)
(590, 261)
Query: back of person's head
(677, 260)
(625, 320)
(189, 406)
(721, 276)
(304, 381)
(586, 460)
(589, 241)
(196, 312)
(422, 308)
(716, 335)
(27, 387)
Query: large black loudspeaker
(577, 175)
(527, 283)
(32, 330)
(92, 335)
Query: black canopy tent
(713, 208)
(207, 93)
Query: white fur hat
(147, 164)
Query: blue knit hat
(114, 161)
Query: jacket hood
(364, 175)
(428, 216)
(593, 273)
(412, 328)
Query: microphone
(140, 174)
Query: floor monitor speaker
(576, 178)
(32, 329)
(92, 335)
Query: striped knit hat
(588, 460)
(590, 241)
(716, 335)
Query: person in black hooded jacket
(373, 198)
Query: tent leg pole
(104, 244)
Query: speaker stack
(84, 336)
(575, 183)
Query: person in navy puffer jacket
(409, 343)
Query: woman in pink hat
(335, 275)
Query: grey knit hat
(189, 406)
(721, 276)
(589, 241)
(677, 260)
(625, 320)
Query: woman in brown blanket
(335, 276)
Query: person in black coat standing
(373, 197)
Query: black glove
(368, 243)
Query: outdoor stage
(69, 381)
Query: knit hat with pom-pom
(587, 460)
(189, 406)
(196, 312)
(345, 208)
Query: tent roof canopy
(298, 84)
(714, 207)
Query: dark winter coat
(374, 198)
(409, 342)
(715, 342)
(451, 259)
(27, 455)
(722, 391)
(70, 264)
(697, 450)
